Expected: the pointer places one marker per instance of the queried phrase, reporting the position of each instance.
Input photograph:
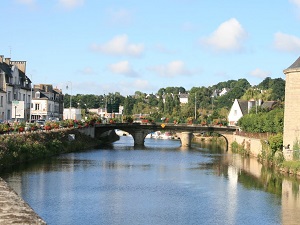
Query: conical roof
(295, 65)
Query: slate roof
(268, 104)
(295, 65)
(6, 69)
(244, 106)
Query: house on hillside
(184, 98)
(240, 108)
(224, 91)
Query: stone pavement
(14, 210)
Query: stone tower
(291, 131)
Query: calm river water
(160, 184)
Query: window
(235, 112)
(24, 98)
(37, 106)
(1, 101)
(9, 97)
(37, 94)
(8, 115)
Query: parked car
(41, 123)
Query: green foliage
(276, 142)
(199, 98)
(20, 148)
(277, 87)
(263, 122)
(272, 149)
(296, 150)
(243, 148)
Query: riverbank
(258, 148)
(14, 210)
(21, 148)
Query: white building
(240, 108)
(15, 87)
(47, 103)
(72, 113)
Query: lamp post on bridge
(70, 110)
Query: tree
(251, 93)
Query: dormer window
(37, 94)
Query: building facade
(47, 103)
(291, 131)
(15, 90)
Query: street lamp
(67, 87)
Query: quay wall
(254, 144)
(14, 210)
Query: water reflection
(159, 184)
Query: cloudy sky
(101, 46)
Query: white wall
(235, 113)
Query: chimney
(20, 64)
(1, 58)
(7, 61)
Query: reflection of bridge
(185, 132)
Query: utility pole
(195, 107)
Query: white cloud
(229, 36)
(260, 73)
(122, 67)
(296, 2)
(87, 71)
(172, 69)
(120, 16)
(286, 42)
(119, 46)
(141, 85)
(70, 4)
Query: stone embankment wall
(254, 144)
(13, 210)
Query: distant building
(15, 90)
(72, 113)
(241, 108)
(183, 98)
(224, 91)
(47, 103)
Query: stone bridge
(184, 131)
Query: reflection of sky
(232, 194)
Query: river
(159, 184)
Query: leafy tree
(262, 122)
(160, 104)
(168, 109)
(251, 93)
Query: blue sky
(101, 46)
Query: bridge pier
(139, 138)
(186, 139)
